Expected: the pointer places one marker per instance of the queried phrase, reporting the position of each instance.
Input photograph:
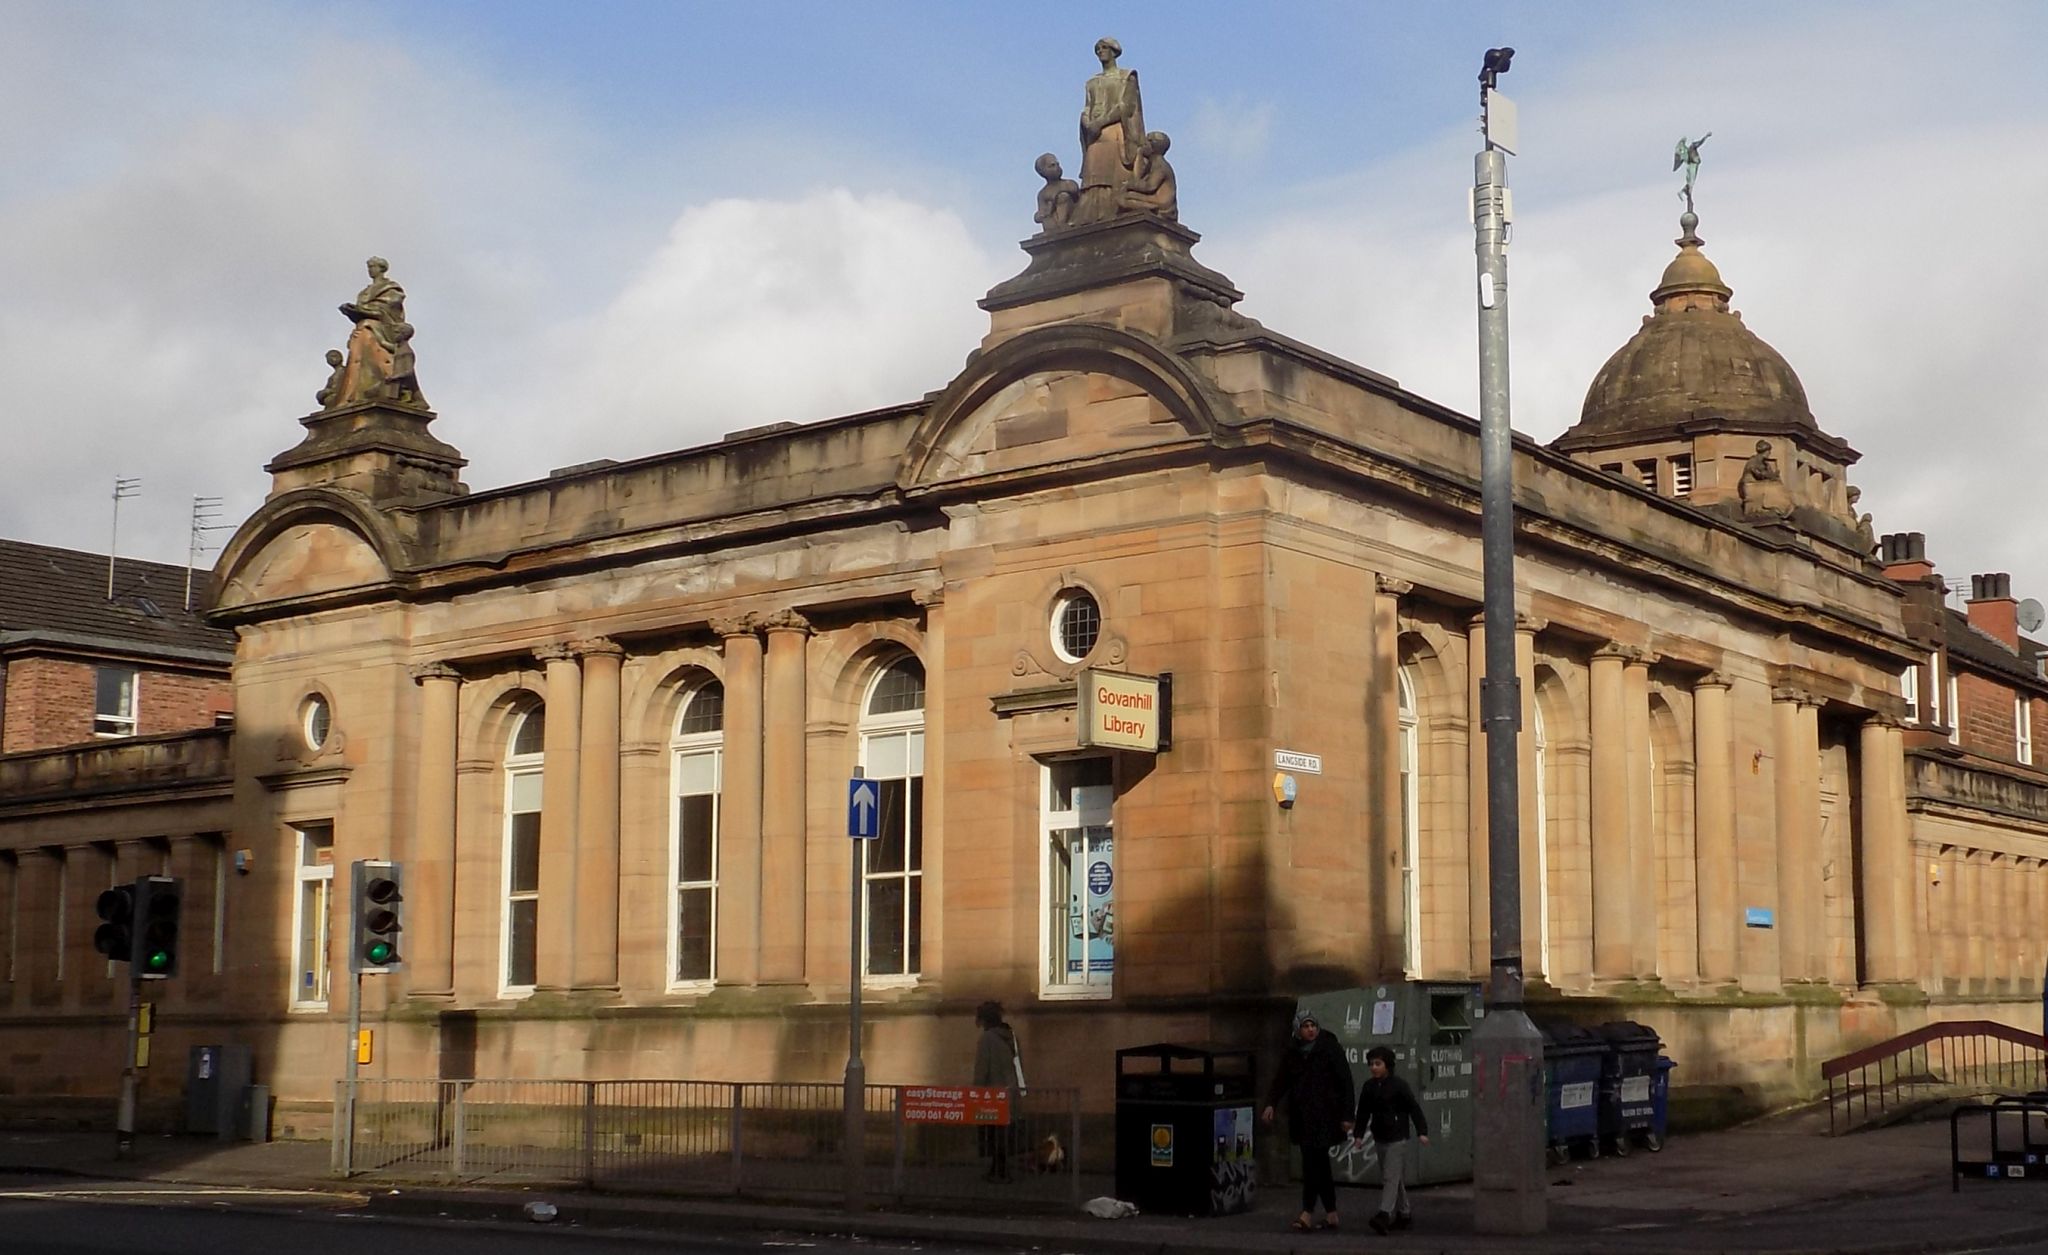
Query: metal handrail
(1937, 1057)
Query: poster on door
(1091, 935)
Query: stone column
(1798, 913)
(1885, 897)
(597, 808)
(1811, 887)
(1389, 810)
(1906, 885)
(2037, 911)
(739, 811)
(1954, 897)
(1720, 923)
(2007, 969)
(1646, 827)
(1976, 869)
(932, 925)
(1531, 791)
(1478, 863)
(1612, 940)
(561, 770)
(429, 946)
(783, 801)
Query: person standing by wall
(1387, 1108)
(997, 1063)
(1314, 1085)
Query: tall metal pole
(856, 1072)
(1508, 1193)
(131, 1076)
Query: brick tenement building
(77, 665)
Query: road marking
(172, 1190)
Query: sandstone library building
(1157, 633)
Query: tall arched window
(892, 754)
(699, 751)
(522, 850)
(1411, 829)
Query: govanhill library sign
(1125, 712)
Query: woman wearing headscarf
(1314, 1086)
(997, 1063)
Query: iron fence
(1937, 1061)
(711, 1137)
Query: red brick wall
(1987, 716)
(49, 702)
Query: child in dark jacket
(1387, 1108)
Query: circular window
(1076, 624)
(318, 721)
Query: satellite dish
(2031, 615)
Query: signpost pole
(856, 1071)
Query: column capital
(554, 651)
(1615, 652)
(422, 672)
(1878, 719)
(1530, 623)
(1793, 693)
(929, 597)
(604, 645)
(729, 626)
(1710, 680)
(785, 621)
(1392, 586)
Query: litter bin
(1629, 1106)
(215, 1077)
(1427, 1024)
(1573, 1058)
(1184, 1140)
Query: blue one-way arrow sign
(863, 810)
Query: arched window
(1411, 828)
(698, 751)
(892, 754)
(522, 850)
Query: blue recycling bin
(1573, 1059)
(1660, 1097)
(1631, 1084)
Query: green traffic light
(158, 960)
(378, 952)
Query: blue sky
(630, 227)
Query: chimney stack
(1992, 609)
(1904, 555)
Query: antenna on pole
(205, 510)
(124, 487)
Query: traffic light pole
(347, 1114)
(131, 1076)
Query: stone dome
(1692, 359)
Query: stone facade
(604, 720)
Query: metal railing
(713, 1137)
(1935, 1061)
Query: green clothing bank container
(1428, 1025)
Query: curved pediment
(1059, 395)
(302, 560)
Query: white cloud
(1233, 132)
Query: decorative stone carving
(1392, 586)
(1152, 188)
(928, 597)
(1112, 133)
(597, 645)
(1762, 487)
(734, 625)
(329, 395)
(425, 671)
(784, 621)
(1056, 200)
(379, 365)
(558, 651)
(1866, 530)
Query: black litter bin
(1630, 1113)
(1573, 1059)
(1184, 1141)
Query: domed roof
(1692, 359)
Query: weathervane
(1687, 155)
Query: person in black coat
(1388, 1110)
(1314, 1085)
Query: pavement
(1778, 1185)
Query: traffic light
(158, 900)
(116, 937)
(374, 912)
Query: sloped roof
(62, 594)
(1983, 652)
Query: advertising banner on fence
(956, 1104)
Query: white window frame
(2023, 728)
(304, 834)
(910, 725)
(1052, 937)
(518, 767)
(1681, 474)
(1909, 688)
(684, 746)
(1935, 689)
(1955, 711)
(1411, 825)
(1644, 472)
(130, 721)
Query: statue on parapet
(1866, 529)
(379, 365)
(1687, 155)
(1057, 198)
(1112, 135)
(1762, 487)
(1152, 188)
